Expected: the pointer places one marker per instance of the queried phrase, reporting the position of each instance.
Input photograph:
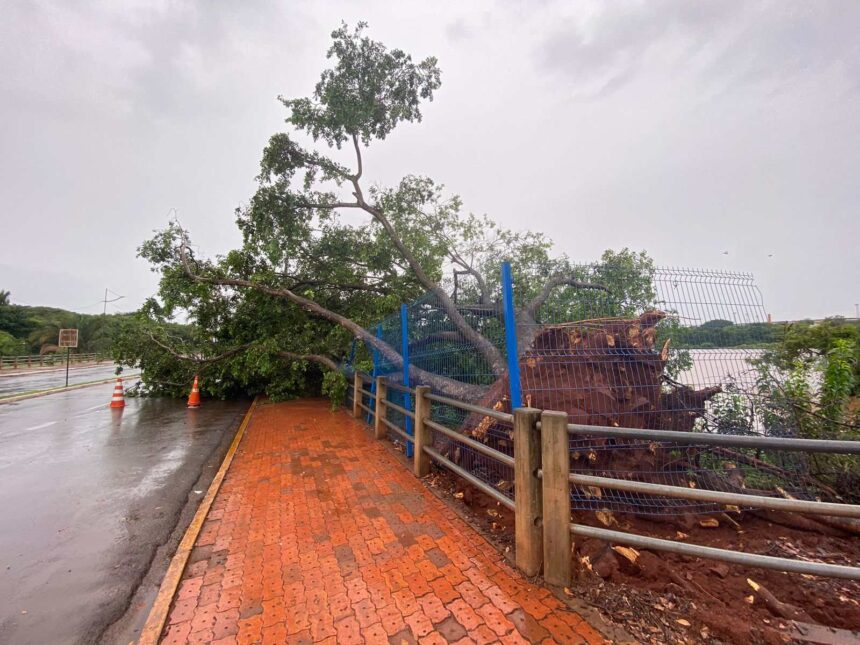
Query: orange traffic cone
(118, 399)
(194, 397)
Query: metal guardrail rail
(396, 429)
(725, 555)
(474, 445)
(719, 497)
(365, 408)
(401, 410)
(833, 446)
(401, 388)
(469, 477)
(41, 360)
(468, 407)
(555, 422)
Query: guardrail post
(555, 458)
(423, 433)
(527, 491)
(356, 394)
(379, 429)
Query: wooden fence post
(423, 433)
(527, 491)
(356, 394)
(555, 460)
(379, 428)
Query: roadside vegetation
(35, 330)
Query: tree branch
(298, 284)
(457, 259)
(486, 348)
(357, 175)
(315, 358)
(331, 206)
(442, 336)
(482, 344)
(440, 383)
(198, 360)
(527, 327)
(552, 283)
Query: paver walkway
(320, 534)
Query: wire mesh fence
(437, 346)
(496, 434)
(406, 401)
(650, 357)
(670, 349)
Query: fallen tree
(308, 280)
(304, 266)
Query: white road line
(39, 427)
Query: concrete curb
(151, 632)
(54, 390)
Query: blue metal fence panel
(510, 322)
(404, 352)
(376, 367)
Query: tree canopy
(308, 278)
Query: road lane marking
(39, 427)
(86, 411)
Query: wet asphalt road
(39, 380)
(87, 494)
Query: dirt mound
(662, 597)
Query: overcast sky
(688, 129)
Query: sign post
(68, 339)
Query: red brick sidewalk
(319, 534)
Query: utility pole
(106, 301)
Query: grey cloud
(723, 44)
(737, 119)
(145, 61)
(457, 30)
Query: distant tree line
(724, 333)
(34, 330)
